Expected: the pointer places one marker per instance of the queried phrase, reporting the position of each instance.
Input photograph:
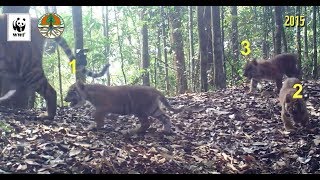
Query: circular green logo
(51, 25)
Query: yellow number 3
(297, 94)
(73, 66)
(246, 45)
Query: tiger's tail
(64, 45)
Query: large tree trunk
(203, 44)
(78, 36)
(219, 75)
(299, 43)
(207, 21)
(279, 25)
(144, 50)
(165, 54)
(191, 54)
(177, 39)
(314, 29)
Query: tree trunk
(145, 50)
(306, 56)
(120, 47)
(299, 43)
(222, 41)
(203, 44)
(60, 79)
(273, 29)
(265, 34)
(207, 21)
(177, 39)
(106, 34)
(157, 76)
(15, 9)
(314, 29)
(78, 36)
(165, 54)
(284, 38)
(50, 45)
(278, 17)
(191, 54)
(219, 75)
(234, 40)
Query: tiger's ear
(254, 61)
(80, 85)
(288, 98)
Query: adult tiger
(21, 66)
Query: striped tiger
(21, 66)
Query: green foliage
(251, 27)
(4, 127)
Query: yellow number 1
(246, 45)
(73, 66)
(297, 94)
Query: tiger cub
(292, 109)
(141, 101)
(21, 66)
(273, 69)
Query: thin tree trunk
(299, 43)
(203, 41)
(191, 53)
(219, 75)
(145, 51)
(306, 56)
(222, 41)
(314, 28)
(278, 30)
(60, 79)
(265, 34)
(157, 76)
(78, 36)
(120, 48)
(273, 27)
(106, 34)
(234, 40)
(177, 39)
(165, 49)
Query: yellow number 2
(297, 94)
(246, 45)
(73, 66)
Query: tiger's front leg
(50, 95)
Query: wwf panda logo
(19, 24)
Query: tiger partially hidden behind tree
(21, 66)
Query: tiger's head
(296, 108)
(76, 95)
(251, 69)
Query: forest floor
(225, 131)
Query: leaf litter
(225, 131)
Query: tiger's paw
(45, 116)
(168, 133)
